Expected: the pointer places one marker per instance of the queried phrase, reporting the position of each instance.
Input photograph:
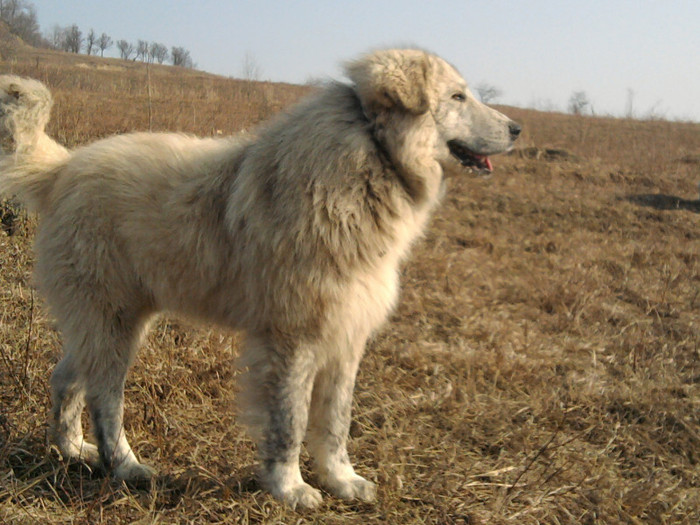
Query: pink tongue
(485, 160)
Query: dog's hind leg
(114, 345)
(68, 395)
(329, 424)
(276, 392)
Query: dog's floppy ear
(392, 79)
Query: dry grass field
(543, 365)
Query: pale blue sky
(537, 52)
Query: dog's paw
(82, 452)
(89, 454)
(352, 487)
(302, 495)
(134, 472)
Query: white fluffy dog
(293, 233)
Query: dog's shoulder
(326, 138)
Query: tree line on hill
(21, 20)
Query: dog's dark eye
(460, 97)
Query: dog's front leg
(276, 394)
(331, 407)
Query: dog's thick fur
(293, 233)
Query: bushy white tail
(29, 156)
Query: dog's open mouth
(468, 158)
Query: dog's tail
(29, 158)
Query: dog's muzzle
(468, 158)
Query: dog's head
(416, 83)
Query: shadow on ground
(664, 202)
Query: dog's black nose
(515, 130)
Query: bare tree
(181, 57)
(578, 102)
(21, 19)
(103, 43)
(9, 9)
(62, 38)
(57, 37)
(142, 50)
(655, 112)
(74, 39)
(251, 68)
(629, 106)
(126, 49)
(157, 52)
(488, 92)
(90, 41)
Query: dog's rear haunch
(293, 233)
